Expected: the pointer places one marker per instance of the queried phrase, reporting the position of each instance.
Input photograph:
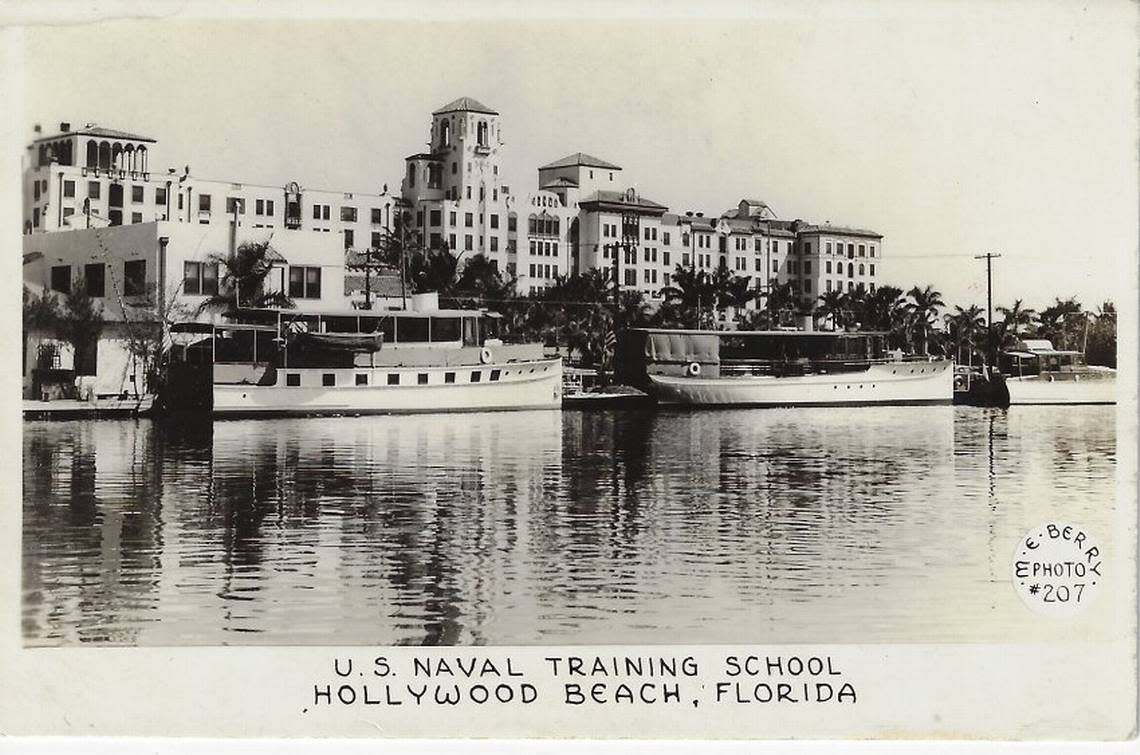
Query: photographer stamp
(1057, 569)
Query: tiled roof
(619, 197)
(840, 230)
(108, 133)
(581, 158)
(465, 104)
(560, 181)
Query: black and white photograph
(778, 327)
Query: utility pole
(989, 257)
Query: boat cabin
(715, 353)
(1038, 357)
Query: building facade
(98, 177)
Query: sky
(953, 129)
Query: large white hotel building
(580, 216)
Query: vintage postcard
(760, 371)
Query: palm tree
(243, 278)
(691, 291)
(1060, 322)
(830, 307)
(963, 327)
(923, 312)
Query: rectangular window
(872, 250)
(349, 238)
(850, 250)
(362, 378)
(293, 379)
(468, 192)
(807, 267)
(468, 242)
(422, 378)
(494, 243)
(512, 223)
(316, 212)
(495, 375)
(134, 277)
(348, 214)
(436, 217)
(235, 204)
(451, 219)
(829, 284)
(393, 378)
(61, 279)
(192, 278)
(137, 194)
(69, 188)
(304, 282)
(494, 220)
(476, 376)
(136, 217)
(468, 219)
(68, 212)
(532, 270)
(828, 247)
(269, 207)
(328, 379)
(872, 269)
(449, 377)
(376, 239)
(451, 241)
(93, 189)
(203, 202)
(259, 207)
(827, 267)
(160, 196)
(862, 250)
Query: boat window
(388, 329)
(412, 330)
(393, 378)
(328, 379)
(362, 378)
(293, 379)
(494, 375)
(475, 375)
(445, 329)
(421, 378)
(340, 325)
(490, 327)
(449, 377)
(369, 324)
(470, 331)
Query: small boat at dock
(1036, 373)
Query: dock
(104, 408)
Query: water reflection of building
(419, 523)
(92, 530)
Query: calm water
(805, 525)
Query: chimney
(64, 126)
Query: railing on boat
(790, 368)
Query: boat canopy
(681, 346)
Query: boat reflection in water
(772, 525)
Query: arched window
(142, 157)
(445, 133)
(481, 133)
(92, 154)
(850, 270)
(117, 156)
(129, 157)
(105, 155)
(861, 270)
